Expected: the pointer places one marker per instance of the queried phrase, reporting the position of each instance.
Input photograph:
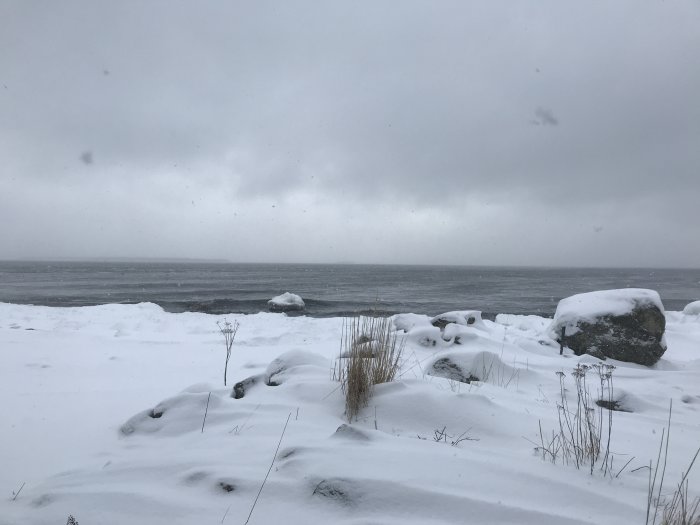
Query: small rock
(445, 367)
(340, 490)
(241, 388)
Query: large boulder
(627, 325)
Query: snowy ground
(79, 387)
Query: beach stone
(616, 324)
(241, 388)
(342, 491)
(445, 367)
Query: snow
(692, 308)
(103, 409)
(590, 306)
(464, 318)
(406, 322)
(286, 301)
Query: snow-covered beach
(104, 419)
(357, 263)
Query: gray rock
(241, 388)
(634, 334)
(445, 367)
(342, 491)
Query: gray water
(328, 290)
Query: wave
(314, 307)
(319, 308)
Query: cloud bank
(415, 132)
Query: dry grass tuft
(370, 354)
(581, 439)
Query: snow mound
(486, 367)
(427, 336)
(286, 302)
(174, 416)
(406, 322)
(442, 330)
(279, 368)
(692, 308)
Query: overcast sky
(547, 132)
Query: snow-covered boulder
(467, 367)
(692, 308)
(464, 318)
(627, 325)
(287, 302)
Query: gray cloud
(408, 123)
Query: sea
(329, 290)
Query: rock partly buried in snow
(463, 318)
(342, 491)
(173, 416)
(241, 388)
(350, 432)
(447, 368)
(287, 302)
(692, 308)
(627, 325)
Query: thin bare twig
(225, 513)
(624, 467)
(17, 493)
(206, 410)
(236, 429)
(268, 471)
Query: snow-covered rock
(406, 322)
(692, 308)
(486, 367)
(627, 325)
(287, 302)
(464, 318)
(279, 368)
